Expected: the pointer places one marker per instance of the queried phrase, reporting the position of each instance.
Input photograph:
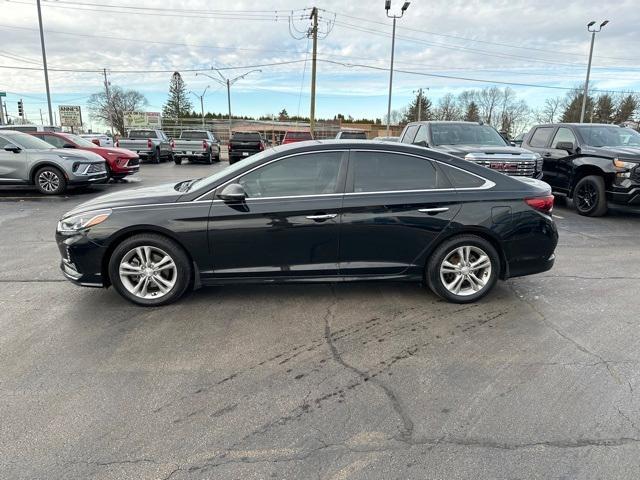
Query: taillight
(261, 146)
(541, 204)
(149, 143)
(117, 143)
(205, 145)
(229, 146)
(96, 142)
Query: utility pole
(44, 63)
(585, 93)
(41, 119)
(419, 104)
(201, 97)
(314, 33)
(227, 82)
(106, 89)
(387, 7)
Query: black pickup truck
(476, 142)
(597, 165)
(244, 144)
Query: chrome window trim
(269, 163)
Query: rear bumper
(531, 266)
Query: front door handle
(433, 211)
(547, 155)
(322, 217)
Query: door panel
(561, 159)
(13, 166)
(275, 238)
(393, 210)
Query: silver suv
(27, 160)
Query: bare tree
(489, 100)
(111, 109)
(447, 108)
(551, 110)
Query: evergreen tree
(626, 108)
(473, 113)
(418, 109)
(573, 107)
(178, 104)
(283, 116)
(604, 110)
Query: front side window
(389, 172)
(421, 135)
(54, 141)
(563, 135)
(409, 134)
(310, 174)
(540, 137)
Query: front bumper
(87, 179)
(81, 261)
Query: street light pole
(44, 63)
(228, 82)
(593, 30)
(201, 97)
(387, 7)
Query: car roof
(441, 122)
(576, 124)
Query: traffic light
(20, 108)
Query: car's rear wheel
(150, 270)
(177, 160)
(589, 196)
(156, 156)
(50, 181)
(463, 269)
(210, 157)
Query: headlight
(71, 158)
(626, 165)
(83, 220)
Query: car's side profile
(316, 211)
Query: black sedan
(316, 211)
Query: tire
(177, 160)
(156, 156)
(210, 158)
(150, 249)
(50, 181)
(461, 252)
(217, 157)
(589, 196)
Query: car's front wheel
(50, 181)
(589, 196)
(463, 269)
(150, 270)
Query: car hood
(631, 154)
(462, 150)
(130, 197)
(80, 155)
(123, 152)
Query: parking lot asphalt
(347, 381)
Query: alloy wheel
(148, 272)
(49, 181)
(587, 196)
(466, 270)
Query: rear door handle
(433, 211)
(321, 217)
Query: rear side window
(390, 172)
(540, 137)
(460, 178)
(4, 142)
(409, 134)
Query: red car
(292, 136)
(120, 162)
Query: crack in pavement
(407, 428)
(562, 334)
(583, 277)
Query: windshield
(26, 141)
(609, 136)
(212, 179)
(194, 136)
(141, 134)
(79, 141)
(465, 134)
(353, 135)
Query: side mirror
(11, 147)
(96, 141)
(568, 146)
(68, 145)
(513, 144)
(421, 143)
(234, 192)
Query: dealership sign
(70, 115)
(142, 119)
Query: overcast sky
(534, 42)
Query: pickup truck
(596, 165)
(196, 146)
(151, 145)
(476, 142)
(244, 144)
